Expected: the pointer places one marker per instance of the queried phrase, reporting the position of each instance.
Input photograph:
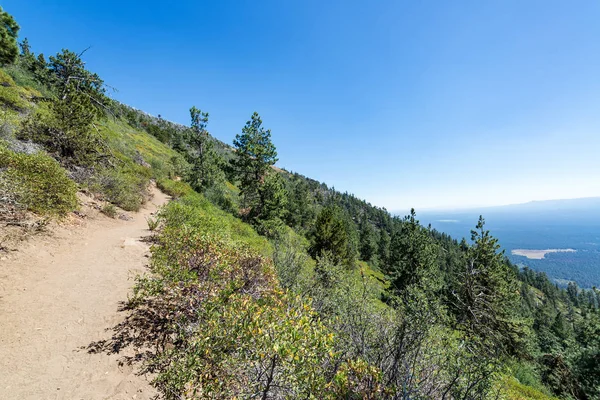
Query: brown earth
(60, 292)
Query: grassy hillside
(35, 181)
(265, 283)
(283, 285)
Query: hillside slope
(264, 283)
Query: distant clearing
(539, 254)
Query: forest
(565, 224)
(264, 283)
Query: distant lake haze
(559, 237)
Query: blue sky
(403, 103)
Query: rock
(125, 217)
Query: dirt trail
(59, 293)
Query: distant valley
(559, 237)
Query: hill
(266, 283)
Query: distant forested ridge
(267, 284)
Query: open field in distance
(539, 254)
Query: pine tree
(9, 30)
(413, 257)
(384, 248)
(206, 170)
(331, 237)
(67, 131)
(573, 293)
(300, 211)
(368, 240)
(489, 296)
(25, 48)
(274, 195)
(255, 155)
(68, 75)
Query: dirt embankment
(60, 292)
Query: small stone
(125, 217)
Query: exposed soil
(60, 292)
(539, 254)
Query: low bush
(12, 96)
(175, 189)
(221, 195)
(25, 80)
(153, 223)
(215, 317)
(126, 187)
(37, 182)
(512, 389)
(109, 210)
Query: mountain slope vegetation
(267, 284)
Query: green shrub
(109, 210)
(512, 389)
(222, 196)
(180, 167)
(25, 79)
(175, 189)
(37, 182)
(225, 324)
(127, 143)
(5, 78)
(271, 228)
(11, 96)
(153, 223)
(10, 117)
(125, 187)
(527, 375)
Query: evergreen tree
(413, 257)
(274, 196)
(384, 248)
(573, 293)
(331, 237)
(300, 210)
(27, 59)
(368, 240)
(255, 155)
(205, 161)
(178, 143)
(587, 361)
(68, 75)
(9, 30)
(489, 296)
(39, 68)
(25, 48)
(67, 131)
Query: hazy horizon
(476, 207)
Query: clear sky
(403, 103)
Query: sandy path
(60, 292)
